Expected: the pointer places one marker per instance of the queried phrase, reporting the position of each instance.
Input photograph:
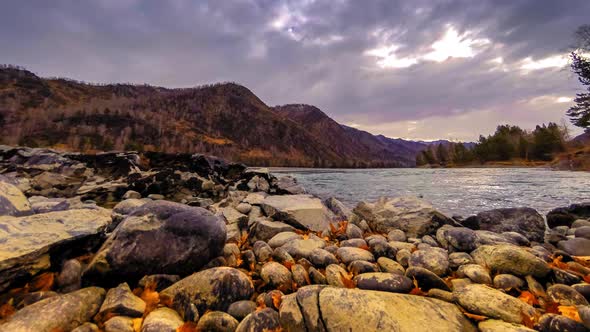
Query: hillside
(226, 120)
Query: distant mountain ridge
(226, 120)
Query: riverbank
(123, 242)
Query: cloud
(455, 67)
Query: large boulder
(523, 220)
(506, 258)
(158, 237)
(412, 215)
(27, 243)
(575, 247)
(343, 309)
(300, 211)
(565, 216)
(213, 289)
(57, 313)
(12, 201)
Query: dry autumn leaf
(347, 280)
(188, 327)
(6, 310)
(137, 324)
(528, 298)
(43, 282)
(570, 311)
(277, 299)
(475, 317)
(528, 321)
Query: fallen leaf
(150, 297)
(43, 282)
(137, 324)
(587, 278)
(527, 320)
(188, 327)
(528, 298)
(551, 307)
(288, 264)
(416, 290)
(347, 280)
(570, 311)
(558, 263)
(6, 310)
(276, 299)
(475, 317)
(584, 260)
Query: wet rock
(322, 258)
(426, 279)
(241, 309)
(159, 281)
(565, 216)
(525, 221)
(413, 216)
(435, 260)
(26, 243)
(510, 259)
(64, 312)
(282, 238)
(213, 289)
(385, 282)
(349, 254)
(217, 321)
(300, 211)
(476, 273)
(460, 238)
(363, 310)
(265, 319)
(192, 236)
(396, 235)
(162, 320)
(335, 274)
(119, 324)
(487, 301)
(123, 302)
(390, 266)
(12, 201)
(457, 259)
(508, 282)
(304, 248)
(359, 267)
(565, 295)
(494, 325)
(70, 277)
(575, 247)
(277, 276)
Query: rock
(575, 247)
(435, 260)
(70, 277)
(21, 301)
(159, 281)
(363, 310)
(64, 312)
(258, 183)
(26, 243)
(508, 282)
(131, 194)
(86, 327)
(241, 309)
(265, 319)
(276, 276)
(282, 238)
(385, 282)
(300, 211)
(322, 258)
(349, 254)
(12, 201)
(358, 243)
(287, 185)
(335, 274)
(409, 214)
(381, 248)
(403, 257)
(565, 295)
(584, 312)
(494, 325)
(565, 216)
(525, 221)
(460, 238)
(476, 273)
(119, 324)
(262, 251)
(488, 237)
(360, 267)
(426, 279)
(460, 283)
(255, 198)
(307, 298)
(244, 208)
(290, 316)
(264, 230)
(300, 275)
(583, 289)
(192, 236)
(353, 231)
(217, 321)
(562, 323)
(123, 302)
(317, 277)
(510, 259)
(396, 235)
(457, 259)
(41, 204)
(213, 289)
(162, 320)
(517, 239)
(390, 266)
(583, 232)
(487, 301)
(123, 209)
(304, 248)
(575, 224)
(339, 209)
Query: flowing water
(463, 191)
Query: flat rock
(27, 242)
(63, 313)
(282, 238)
(385, 282)
(522, 220)
(12, 201)
(494, 325)
(303, 248)
(350, 254)
(505, 258)
(300, 211)
(213, 289)
(167, 238)
(264, 230)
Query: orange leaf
(43, 282)
(276, 299)
(137, 324)
(188, 327)
(150, 297)
(347, 280)
(558, 263)
(552, 308)
(288, 264)
(6, 310)
(364, 246)
(587, 278)
(527, 320)
(477, 318)
(528, 298)
(570, 311)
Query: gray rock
(358, 243)
(360, 267)
(64, 312)
(192, 235)
(510, 259)
(457, 259)
(583, 289)
(258, 183)
(413, 216)
(26, 243)
(476, 273)
(322, 258)
(21, 301)
(300, 211)
(123, 209)
(508, 282)
(403, 257)
(575, 247)
(265, 319)
(217, 321)
(290, 316)
(131, 194)
(434, 259)
(494, 325)
(517, 238)
(491, 238)
(70, 277)
(353, 231)
(241, 309)
(390, 266)
(349, 254)
(255, 198)
(317, 277)
(282, 238)
(244, 208)
(289, 185)
(460, 238)
(426, 279)
(385, 282)
(276, 276)
(262, 251)
(583, 232)
(41, 204)
(577, 223)
(304, 248)
(119, 324)
(213, 289)
(563, 323)
(584, 312)
(487, 301)
(525, 221)
(123, 302)
(396, 235)
(162, 320)
(565, 216)
(12, 201)
(565, 295)
(264, 230)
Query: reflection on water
(453, 191)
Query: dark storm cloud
(316, 52)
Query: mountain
(226, 120)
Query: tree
(580, 113)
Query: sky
(416, 69)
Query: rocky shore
(156, 242)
